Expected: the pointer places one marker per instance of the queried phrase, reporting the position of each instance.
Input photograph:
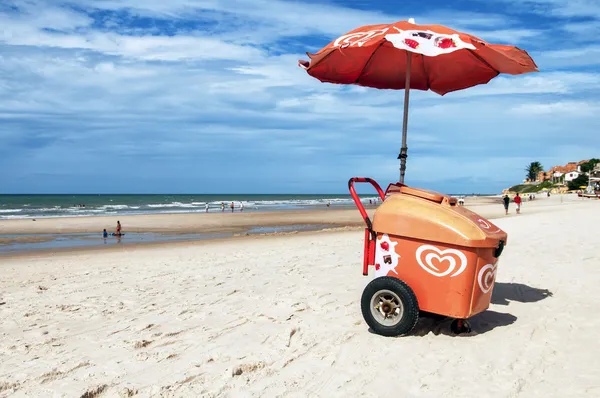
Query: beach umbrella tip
(303, 64)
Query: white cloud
(538, 83)
(559, 109)
(228, 98)
(568, 57)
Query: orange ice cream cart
(428, 254)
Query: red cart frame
(369, 248)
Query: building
(570, 176)
(557, 173)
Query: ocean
(40, 206)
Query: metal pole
(402, 156)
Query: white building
(570, 176)
(557, 176)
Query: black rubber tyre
(392, 290)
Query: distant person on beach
(506, 201)
(328, 204)
(222, 206)
(206, 207)
(517, 200)
(118, 231)
(104, 233)
(241, 206)
(232, 206)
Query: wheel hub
(387, 308)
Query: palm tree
(533, 169)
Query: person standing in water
(506, 201)
(206, 207)
(232, 206)
(118, 231)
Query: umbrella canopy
(403, 55)
(442, 59)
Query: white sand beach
(280, 316)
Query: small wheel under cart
(460, 326)
(389, 306)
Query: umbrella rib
(484, 62)
(368, 60)
(310, 65)
(426, 73)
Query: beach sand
(280, 316)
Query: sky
(205, 96)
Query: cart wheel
(389, 306)
(459, 326)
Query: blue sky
(205, 96)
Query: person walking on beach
(232, 207)
(206, 207)
(118, 231)
(506, 201)
(241, 206)
(518, 203)
(222, 206)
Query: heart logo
(484, 224)
(486, 277)
(427, 254)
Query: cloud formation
(202, 96)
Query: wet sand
(28, 235)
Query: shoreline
(191, 229)
(206, 222)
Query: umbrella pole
(403, 151)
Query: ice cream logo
(427, 42)
(358, 38)
(483, 224)
(386, 258)
(433, 260)
(486, 277)
(486, 225)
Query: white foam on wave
(172, 204)
(172, 207)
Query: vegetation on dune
(589, 166)
(579, 182)
(534, 168)
(531, 188)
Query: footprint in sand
(247, 368)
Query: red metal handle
(357, 201)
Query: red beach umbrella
(403, 55)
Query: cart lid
(432, 216)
